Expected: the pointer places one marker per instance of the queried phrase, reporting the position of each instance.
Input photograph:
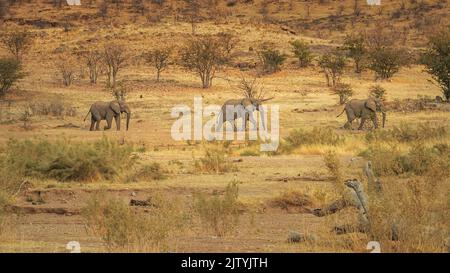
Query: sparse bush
(378, 92)
(66, 66)
(249, 152)
(214, 161)
(103, 8)
(271, 59)
(291, 198)
(204, 56)
(334, 166)
(419, 160)
(119, 91)
(356, 50)
(405, 133)
(332, 65)
(146, 172)
(17, 42)
(302, 52)
(56, 108)
(115, 58)
(318, 135)
(344, 91)
(420, 223)
(158, 58)
(10, 73)
(437, 61)
(92, 59)
(67, 161)
(123, 229)
(387, 61)
(221, 213)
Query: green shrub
(10, 73)
(437, 60)
(64, 160)
(220, 213)
(271, 59)
(302, 52)
(344, 91)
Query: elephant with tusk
(364, 109)
(107, 111)
(240, 108)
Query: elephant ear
(114, 105)
(370, 103)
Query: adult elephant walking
(107, 111)
(234, 109)
(364, 109)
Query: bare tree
(93, 60)
(204, 56)
(193, 12)
(17, 41)
(3, 9)
(66, 66)
(114, 57)
(332, 65)
(251, 88)
(158, 58)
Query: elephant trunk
(384, 117)
(128, 118)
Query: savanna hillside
(60, 182)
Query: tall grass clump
(411, 215)
(148, 172)
(405, 133)
(122, 228)
(315, 136)
(219, 212)
(214, 160)
(68, 161)
(419, 159)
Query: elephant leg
(375, 120)
(253, 121)
(363, 119)
(97, 125)
(117, 118)
(108, 122)
(93, 121)
(350, 117)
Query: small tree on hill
(437, 60)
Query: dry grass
(407, 158)
(124, 229)
(219, 212)
(214, 160)
(68, 161)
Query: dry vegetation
(140, 191)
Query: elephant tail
(87, 115)
(341, 113)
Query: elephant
(107, 111)
(364, 109)
(242, 108)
